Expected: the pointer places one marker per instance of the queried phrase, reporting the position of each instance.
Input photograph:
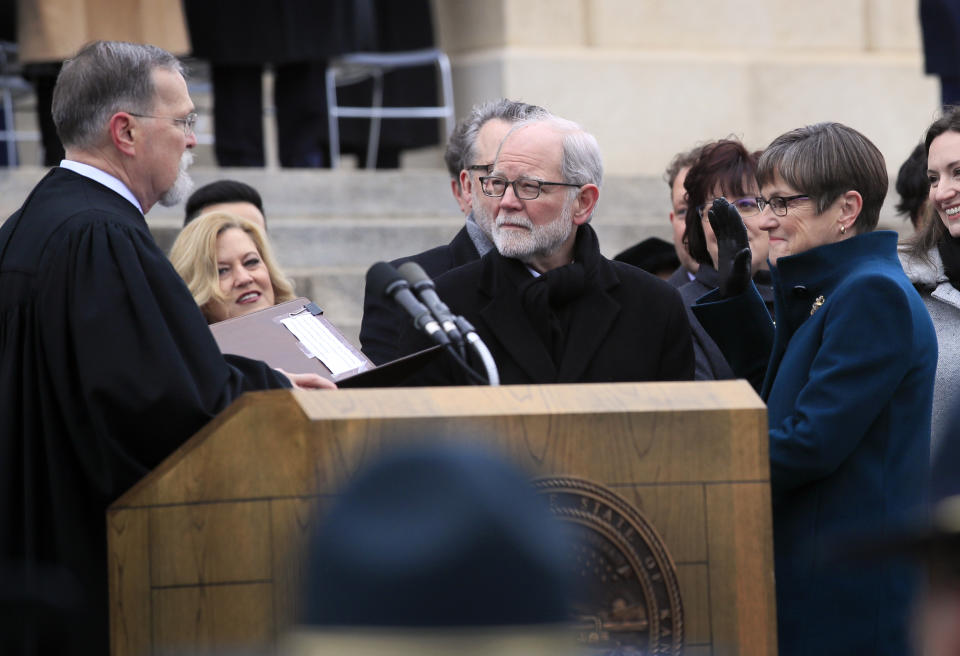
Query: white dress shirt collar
(104, 178)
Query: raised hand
(733, 248)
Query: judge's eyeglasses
(187, 123)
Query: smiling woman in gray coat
(932, 260)
(943, 302)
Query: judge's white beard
(182, 186)
(539, 241)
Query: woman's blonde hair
(194, 256)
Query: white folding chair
(357, 67)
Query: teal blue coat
(848, 384)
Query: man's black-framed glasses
(779, 203)
(188, 123)
(524, 188)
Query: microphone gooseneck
(432, 315)
(425, 290)
(385, 277)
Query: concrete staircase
(328, 227)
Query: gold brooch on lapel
(816, 304)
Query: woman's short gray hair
(103, 78)
(826, 160)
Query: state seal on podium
(629, 598)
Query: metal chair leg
(373, 139)
(446, 81)
(10, 136)
(333, 124)
(355, 67)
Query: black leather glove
(733, 248)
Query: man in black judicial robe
(470, 152)
(106, 364)
(547, 304)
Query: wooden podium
(205, 551)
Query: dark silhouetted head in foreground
(433, 548)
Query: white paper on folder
(323, 344)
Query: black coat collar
(504, 316)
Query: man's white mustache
(515, 220)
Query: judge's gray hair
(103, 78)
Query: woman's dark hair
(934, 230)
(727, 164)
(221, 191)
(913, 185)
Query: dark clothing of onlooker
(653, 255)
(8, 32)
(710, 363)
(679, 278)
(383, 318)
(593, 320)
(940, 25)
(43, 77)
(297, 38)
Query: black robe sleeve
(133, 363)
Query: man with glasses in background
(106, 364)
(469, 154)
(674, 176)
(548, 305)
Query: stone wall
(652, 77)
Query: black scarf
(950, 254)
(549, 300)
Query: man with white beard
(469, 154)
(106, 364)
(548, 305)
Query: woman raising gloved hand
(848, 381)
(722, 169)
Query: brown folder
(261, 336)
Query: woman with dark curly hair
(724, 169)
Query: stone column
(652, 77)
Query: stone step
(300, 243)
(292, 196)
